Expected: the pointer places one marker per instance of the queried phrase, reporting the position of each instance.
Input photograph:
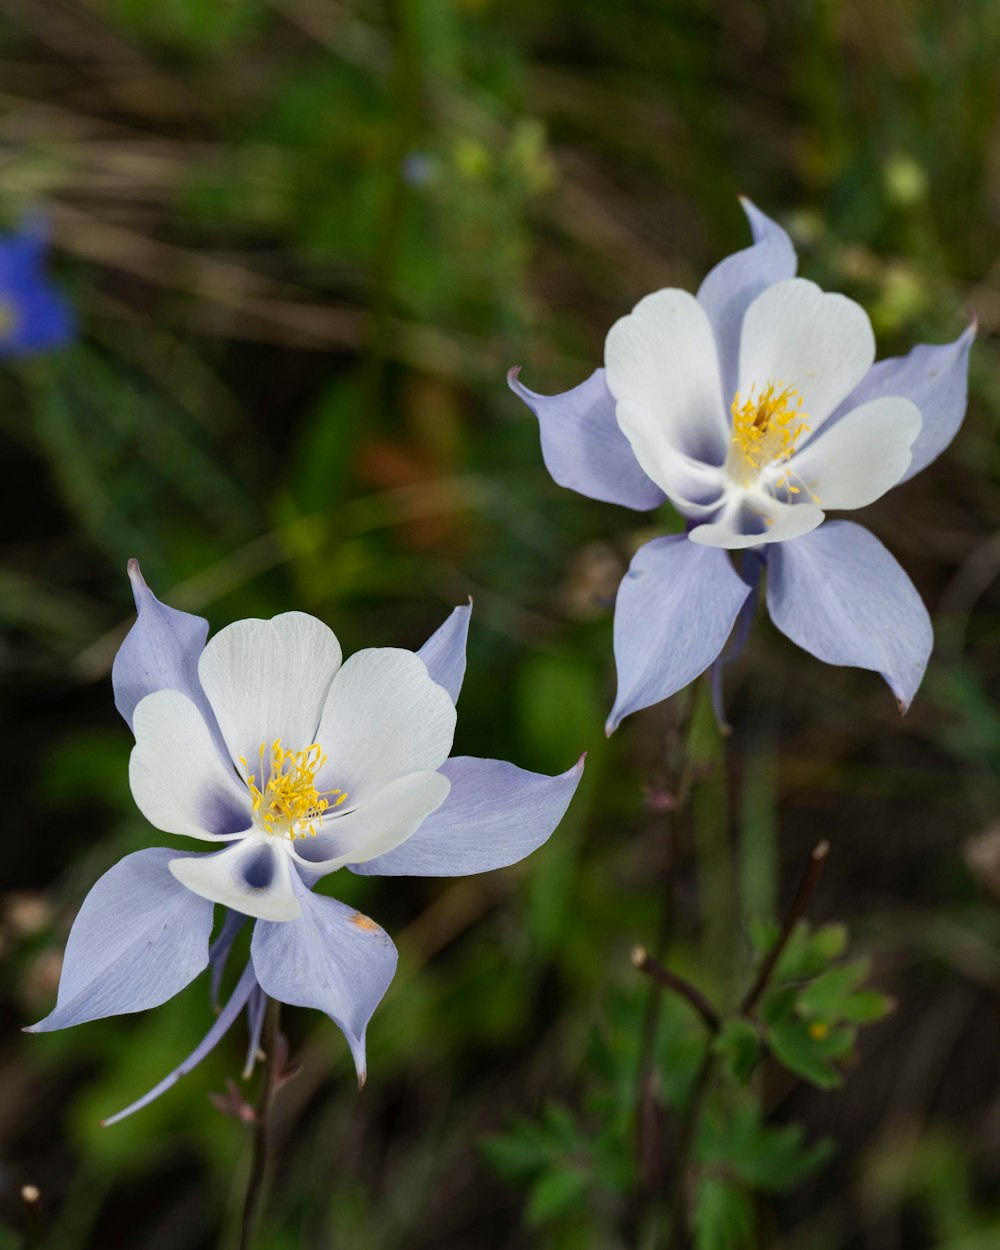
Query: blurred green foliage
(306, 239)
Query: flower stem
(258, 1165)
(647, 1143)
(796, 910)
(703, 1079)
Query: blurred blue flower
(751, 408)
(293, 764)
(34, 316)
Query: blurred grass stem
(258, 1165)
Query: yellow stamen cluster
(766, 428)
(290, 803)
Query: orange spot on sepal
(365, 923)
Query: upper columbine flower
(753, 408)
(293, 764)
(34, 317)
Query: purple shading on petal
(583, 446)
(675, 608)
(139, 938)
(935, 376)
(444, 651)
(842, 597)
(218, 952)
(730, 288)
(160, 652)
(332, 958)
(494, 815)
(223, 1023)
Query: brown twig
(797, 908)
(31, 1198)
(642, 960)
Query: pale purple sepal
(332, 958)
(139, 938)
(935, 376)
(730, 288)
(222, 944)
(160, 652)
(256, 1010)
(841, 596)
(494, 815)
(223, 1023)
(583, 446)
(444, 651)
(675, 608)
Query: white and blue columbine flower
(753, 408)
(289, 764)
(34, 316)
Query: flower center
(766, 428)
(290, 804)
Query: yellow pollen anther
(290, 803)
(818, 1030)
(766, 428)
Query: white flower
(762, 463)
(325, 763)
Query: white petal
(800, 336)
(179, 781)
(662, 358)
(693, 487)
(268, 680)
(858, 459)
(253, 877)
(384, 718)
(753, 519)
(380, 825)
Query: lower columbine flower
(34, 316)
(291, 764)
(753, 408)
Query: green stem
(258, 1165)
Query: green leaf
(776, 1160)
(796, 1049)
(778, 1003)
(763, 934)
(866, 1006)
(735, 1142)
(738, 1046)
(723, 1216)
(824, 996)
(518, 1154)
(809, 953)
(555, 1193)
